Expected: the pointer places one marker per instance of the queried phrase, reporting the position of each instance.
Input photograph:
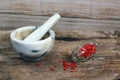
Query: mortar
(31, 51)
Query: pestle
(42, 30)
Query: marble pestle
(42, 30)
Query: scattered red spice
(38, 64)
(66, 65)
(52, 68)
(73, 66)
(87, 50)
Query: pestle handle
(41, 31)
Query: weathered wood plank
(98, 9)
(9, 22)
(103, 66)
(45, 7)
(106, 9)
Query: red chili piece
(38, 64)
(66, 65)
(52, 68)
(87, 50)
(73, 66)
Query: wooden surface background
(96, 9)
(105, 65)
(82, 20)
(76, 14)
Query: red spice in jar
(87, 50)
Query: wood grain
(96, 9)
(103, 66)
(13, 21)
(82, 20)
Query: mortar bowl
(31, 51)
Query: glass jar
(84, 51)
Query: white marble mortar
(31, 51)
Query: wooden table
(97, 20)
(103, 66)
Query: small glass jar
(84, 51)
